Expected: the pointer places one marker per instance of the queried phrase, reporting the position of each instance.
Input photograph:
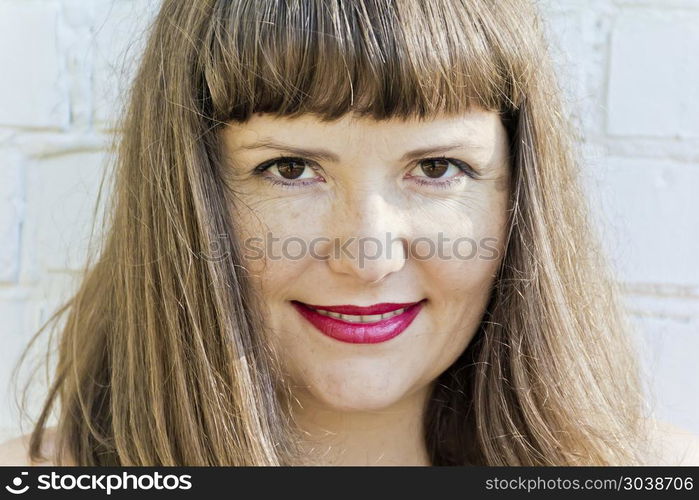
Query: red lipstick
(356, 332)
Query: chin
(357, 402)
(355, 394)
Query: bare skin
(361, 404)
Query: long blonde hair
(162, 358)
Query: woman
(232, 315)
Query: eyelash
(445, 184)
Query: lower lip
(360, 333)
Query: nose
(369, 239)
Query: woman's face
(363, 212)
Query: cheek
(463, 244)
(456, 274)
(460, 275)
(275, 238)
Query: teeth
(392, 313)
(371, 318)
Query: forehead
(477, 127)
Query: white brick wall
(632, 80)
(32, 85)
(653, 74)
(64, 65)
(630, 74)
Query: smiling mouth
(354, 313)
(386, 320)
(364, 318)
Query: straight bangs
(380, 58)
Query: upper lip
(382, 308)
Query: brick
(61, 195)
(647, 210)
(20, 319)
(76, 32)
(566, 37)
(32, 90)
(121, 31)
(11, 213)
(12, 332)
(654, 75)
(675, 307)
(668, 355)
(578, 36)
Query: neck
(389, 436)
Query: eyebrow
(324, 154)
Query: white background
(631, 74)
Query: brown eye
(434, 168)
(438, 169)
(288, 172)
(291, 168)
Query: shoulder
(16, 451)
(672, 445)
